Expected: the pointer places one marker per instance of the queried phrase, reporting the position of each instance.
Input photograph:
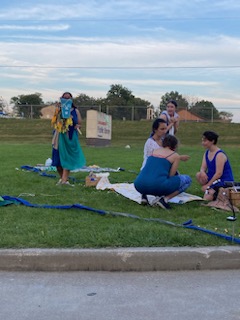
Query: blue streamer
(224, 236)
(46, 206)
(49, 175)
(30, 168)
(188, 224)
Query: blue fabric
(28, 204)
(70, 152)
(185, 182)
(188, 224)
(66, 105)
(154, 178)
(75, 121)
(224, 236)
(56, 158)
(30, 168)
(211, 165)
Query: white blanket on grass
(128, 190)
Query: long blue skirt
(70, 152)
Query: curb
(121, 259)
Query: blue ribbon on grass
(49, 175)
(187, 224)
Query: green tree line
(121, 103)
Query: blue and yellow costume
(67, 152)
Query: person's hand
(184, 157)
(77, 127)
(173, 120)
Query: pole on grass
(232, 218)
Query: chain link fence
(133, 113)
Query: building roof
(48, 112)
(186, 115)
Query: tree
(173, 95)
(118, 97)
(226, 116)
(29, 105)
(121, 104)
(83, 100)
(3, 105)
(205, 110)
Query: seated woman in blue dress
(158, 177)
(215, 168)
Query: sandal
(59, 182)
(67, 183)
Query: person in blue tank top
(158, 176)
(67, 153)
(215, 168)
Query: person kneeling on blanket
(158, 177)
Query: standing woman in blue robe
(67, 153)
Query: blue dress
(211, 165)
(154, 178)
(69, 154)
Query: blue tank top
(211, 165)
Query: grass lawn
(25, 142)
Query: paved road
(188, 295)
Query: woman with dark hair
(171, 117)
(158, 177)
(215, 168)
(159, 129)
(67, 154)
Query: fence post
(132, 113)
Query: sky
(150, 47)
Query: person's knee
(198, 176)
(201, 178)
(185, 183)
